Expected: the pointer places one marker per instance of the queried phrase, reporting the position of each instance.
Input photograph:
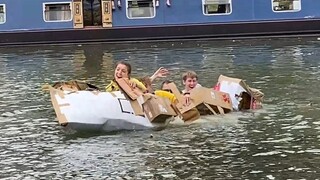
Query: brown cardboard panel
(211, 97)
(61, 117)
(136, 108)
(202, 95)
(236, 80)
(191, 115)
(210, 108)
(256, 93)
(176, 92)
(133, 93)
(214, 101)
(220, 110)
(157, 109)
(251, 98)
(184, 108)
(180, 103)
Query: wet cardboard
(216, 102)
(157, 109)
(133, 93)
(242, 96)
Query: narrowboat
(80, 21)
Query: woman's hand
(161, 72)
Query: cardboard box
(157, 109)
(209, 100)
(206, 100)
(133, 93)
(242, 96)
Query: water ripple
(281, 140)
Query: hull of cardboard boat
(97, 111)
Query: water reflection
(280, 141)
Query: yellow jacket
(113, 86)
(166, 94)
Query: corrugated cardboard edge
(180, 106)
(137, 109)
(175, 91)
(210, 108)
(218, 102)
(254, 93)
(236, 80)
(149, 107)
(61, 117)
(224, 104)
(133, 93)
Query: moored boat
(81, 21)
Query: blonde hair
(189, 74)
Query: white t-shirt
(198, 85)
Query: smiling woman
(123, 70)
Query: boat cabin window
(137, 9)
(286, 5)
(54, 12)
(216, 7)
(2, 13)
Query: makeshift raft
(98, 111)
(82, 107)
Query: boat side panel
(192, 12)
(28, 15)
(221, 31)
(184, 12)
(99, 108)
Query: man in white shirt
(190, 81)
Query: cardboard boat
(101, 111)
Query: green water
(281, 141)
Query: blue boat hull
(308, 27)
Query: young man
(190, 81)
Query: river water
(281, 141)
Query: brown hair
(189, 74)
(126, 64)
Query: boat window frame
(4, 14)
(215, 14)
(285, 11)
(55, 3)
(154, 9)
